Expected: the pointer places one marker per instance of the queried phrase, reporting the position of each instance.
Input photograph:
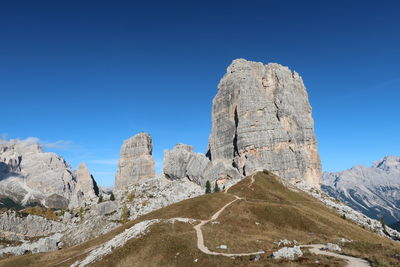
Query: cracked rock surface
(261, 119)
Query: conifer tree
(216, 187)
(208, 187)
(112, 197)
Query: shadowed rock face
(261, 119)
(136, 162)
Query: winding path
(314, 248)
(351, 261)
(200, 238)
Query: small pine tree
(100, 199)
(208, 187)
(344, 216)
(216, 187)
(382, 220)
(112, 197)
(125, 214)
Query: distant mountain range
(374, 191)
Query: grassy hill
(267, 212)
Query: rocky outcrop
(372, 191)
(136, 162)
(346, 211)
(15, 224)
(288, 253)
(42, 245)
(30, 175)
(86, 186)
(261, 119)
(182, 162)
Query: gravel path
(98, 252)
(200, 238)
(351, 261)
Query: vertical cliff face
(261, 119)
(136, 162)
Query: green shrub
(131, 196)
(125, 214)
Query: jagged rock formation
(182, 162)
(261, 119)
(30, 175)
(86, 186)
(14, 225)
(136, 162)
(372, 191)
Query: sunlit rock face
(86, 186)
(136, 162)
(374, 191)
(261, 119)
(30, 175)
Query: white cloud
(60, 144)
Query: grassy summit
(268, 212)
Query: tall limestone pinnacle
(136, 162)
(85, 182)
(261, 119)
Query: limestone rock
(136, 162)
(86, 183)
(42, 245)
(29, 175)
(261, 119)
(105, 208)
(332, 247)
(13, 223)
(177, 160)
(288, 253)
(182, 162)
(372, 191)
(347, 211)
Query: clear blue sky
(82, 76)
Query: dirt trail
(251, 182)
(351, 261)
(314, 248)
(200, 238)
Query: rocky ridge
(373, 191)
(28, 175)
(348, 212)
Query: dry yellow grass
(41, 211)
(268, 212)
